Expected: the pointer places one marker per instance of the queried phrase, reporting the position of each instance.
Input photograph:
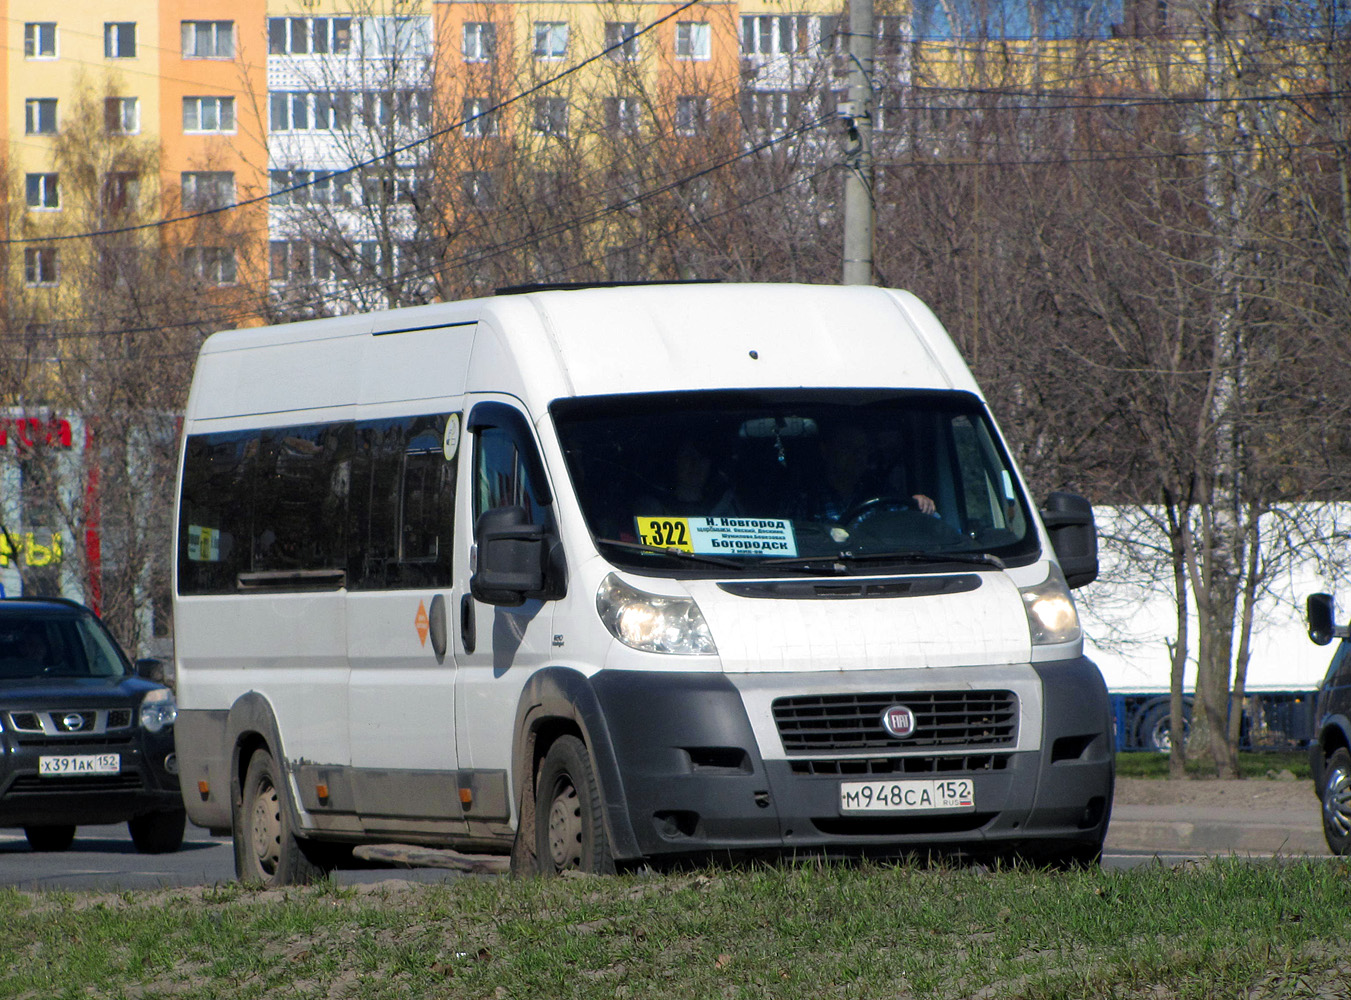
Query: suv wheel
(1336, 796)
(49, 838)
(158, 833)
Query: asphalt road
(103, 859)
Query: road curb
(1214, 831)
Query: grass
(1219, 929)
(1251, 765)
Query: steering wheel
(898, 518)
(866, 507)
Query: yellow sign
(666, 532)
(25, 549)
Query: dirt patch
(1253, 793)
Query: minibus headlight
(1050, 610)
(158, 710)
(652, 623)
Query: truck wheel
(1156, 728)
(158, 833)
(49, 838)
(569, 814)
(1336, 795)
(266, 848)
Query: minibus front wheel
(266, 848)
(569, 814)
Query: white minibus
(618, 576)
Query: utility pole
(857, 114)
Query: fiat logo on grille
(899, 721)
(72, 722)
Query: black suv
(1330, 751)
(83, 738)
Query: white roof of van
(593, 341)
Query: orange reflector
(204, 788)
(321, 791)
(467, 796)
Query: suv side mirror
(516, 559)
(1319, 614)
(151, 669)
(1069, 521)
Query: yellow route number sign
(666, 532)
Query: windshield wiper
(660, 550)
(846, 559)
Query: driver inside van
(849, 477)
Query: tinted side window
(375, 499)
(300, 504)
(502, 475)
(215, 520)
(403, 502)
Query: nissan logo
(72, 722)
(899, 721)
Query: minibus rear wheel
(266, 848)
(569, 814)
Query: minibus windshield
(858, 480)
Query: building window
(832, 35)
(621, 40)
(551, 39)
(694, 40)
(207, 189)
(691, 115)
(479, 118)
(39, 40)
(478, 189)
(120, 191)
(119, 39)
(622, 114)
(551, 116)
(39, 116)
(214, 265)
(121, 115)
(208, 114)
(301, 187)
(406, 108)
(769, 110)
(294, 111)
(39, 266)
(41, 191)
(480, 41)
(208, 39)
(408, 37)
(773, 34)
(890, 36)
(303, 35)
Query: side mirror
(151, 669)
(1069, 521)
(1319, 614)
(513, 558)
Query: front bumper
(146, 781)
(695, 782)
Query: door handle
(468, 631)
(436, 625)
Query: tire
(49, 838)
(1156, 730)
(1336, 796)
(266, 847)
(158, 833)
(569, 814)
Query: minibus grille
(943, 719)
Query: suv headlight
(1050, 610)
(158, 710)
(652, 623)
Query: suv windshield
(54, 644)
(837, 481)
